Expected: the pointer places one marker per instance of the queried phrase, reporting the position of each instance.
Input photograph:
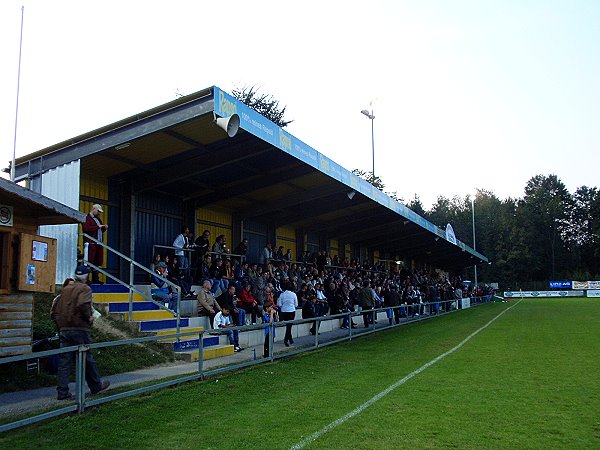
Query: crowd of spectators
(322, 284)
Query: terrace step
(117, 297)
(117, 307)
(209, 353)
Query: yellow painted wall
(286, 236)
(347, 252)
(333, 248)
(217, 222)
(376, 256)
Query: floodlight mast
(371, 116)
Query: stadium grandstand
(172, 166)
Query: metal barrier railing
(320, 340)
(132, 289)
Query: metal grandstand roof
(44, 210)
(263, 172)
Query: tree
(370, 178)
(416, 205)
(545, 212)
(583, 233)
(264, 104)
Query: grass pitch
(529, 380)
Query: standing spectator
(219, 248)
(202, 245)
(182, 242)
(266, 255)
(279, 254)
(287, 303)
(223, 320)
(366, 301)
(391, 298)
(241, 250)
(308, 312)
(74, 316)
(288, 255)
(94, 227)
(268, 315)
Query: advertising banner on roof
(263, 128)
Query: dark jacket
(73, 310)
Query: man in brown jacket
(207, 305)
(73, 315)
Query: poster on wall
(30, 277)
(39, 251)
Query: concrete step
(142, 316)
(163, 324)
(115, 307)
(118, 297)
(217, 351)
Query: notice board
(37, 263)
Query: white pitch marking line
(303, 443)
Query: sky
(466, 94)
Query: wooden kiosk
(28, 260)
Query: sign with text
(534, 294)
(561, 285)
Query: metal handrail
(131, 286)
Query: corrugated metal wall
(286, 236)
(333, 247)
(256, 233)
(62, 184)
(158, 221)
(312, 242)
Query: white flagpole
(12, 166)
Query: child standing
(269, 313)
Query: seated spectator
(248, 302)
(241, 274)
(288, 255)
(322, 306)
(228, 300)
(223, 320)
(158, 287)
(178, 277)
(268, 295)
(217, 272)
(207, 304)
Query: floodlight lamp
(351, 194)
(368, 114)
